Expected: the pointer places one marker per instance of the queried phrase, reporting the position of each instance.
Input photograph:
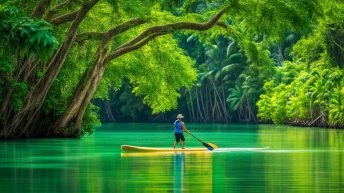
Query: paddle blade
(207, 146)
(213, 145)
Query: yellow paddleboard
(152, 149)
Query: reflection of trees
(198, 172)
(303, 160)
(183, 172)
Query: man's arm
(183, 127)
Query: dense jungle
(68, 65)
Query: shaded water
(298, 160)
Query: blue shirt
(178, 126)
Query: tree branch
(40, 9)
(126, 49)
(156, 31)
(222, 24)
(110, 33)
(169, 28)
(64, 18)
(56, 8)
(81, 37)
(124, 27)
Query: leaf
(230, 48)
(231, 67)
(190, 38)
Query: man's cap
(180, 116)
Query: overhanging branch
(127, 49)
(110, 33)
(56, 8)
(156, 31)
(80, 38)
(169, 28)
(64, 18)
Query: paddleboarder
(179, 127)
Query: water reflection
(181, 172)
(299, 160)
(178, 172)
(303, 160)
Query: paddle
(209, 146)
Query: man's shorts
(179, 136)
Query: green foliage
(274, 18)
(239, 62)
(307, 97)
(336, 111)
(265, 107)
(91, 120)
(20, 91)
(5, 65)
(315, 47)
(312, 83)
(25, 34)
(235, 98)
(164, 70)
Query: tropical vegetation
(216, 60)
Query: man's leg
(174, 144)
(183, 140)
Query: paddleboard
(130, 148)
(153, 149)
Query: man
(179, 127)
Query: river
(297, 160)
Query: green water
(298, 160)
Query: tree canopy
(59, 55)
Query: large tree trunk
(89, 95)
(23, 72)
(83, 89)
(40, 9)
(85, 83)
(78, 107)
(23, 120)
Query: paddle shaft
(208, 146)
(196, 138)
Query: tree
(22, 123)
